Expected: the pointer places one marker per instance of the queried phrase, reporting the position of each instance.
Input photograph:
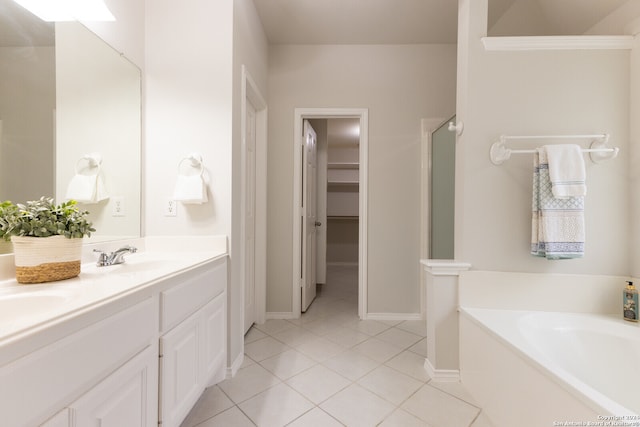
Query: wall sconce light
(68, 10)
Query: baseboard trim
(393, 316)
(280, 315)
(441, 375)
(233, 369)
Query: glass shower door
(442, 191)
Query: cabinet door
(214, 340)
(125, 398)
(180, 382)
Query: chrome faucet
(115, 257)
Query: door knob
(318, 223)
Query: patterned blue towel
(557, 230)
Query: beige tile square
(232, 417)
(322, 325)
(273, 326)
(287, 364)
(315, 418)
(212, 402)
(420, 347)
(253, 334)
(417, 327)
(400, 418)
(264, 348)
(276, 406)
(247, 361)
(378, 350)
(320, 349)
(409, 363)
(248, 382)
(369, 327)
(399, 337)
(482, 421)
(439, 408)
(390, 322)
(318, 383)
(351, 364)
(346, 337)
(390, 384)
(455, 389)
(357, 407)
(295, 336)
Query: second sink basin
(15, 306)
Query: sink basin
(133, 264)
(20, 305)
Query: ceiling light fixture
(68, 10)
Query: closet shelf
(343, 182)
(344, 165)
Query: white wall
(537, 92)
(191, 53)
(399, 85)
(250, 48)
(188, 109)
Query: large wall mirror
(66, 94)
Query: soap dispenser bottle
(630, 303)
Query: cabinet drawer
(184, 299)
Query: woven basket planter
(46, 259)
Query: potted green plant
(47, 238)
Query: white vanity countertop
(28, 310)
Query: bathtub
(535, 368)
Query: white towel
(190, 189)
(566, 170)
(87, 188)
(558, 229)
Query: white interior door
(309, 214)
(321, 208)
(250, 219)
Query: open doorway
(338, 193)
(339, 218)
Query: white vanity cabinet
(193, 341)
(52, 377)
(140, 357)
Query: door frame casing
(301, 114)
(251, 93)
(310, 198)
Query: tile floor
(329, 368)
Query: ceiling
(431, 21)
(359, 21)
(384, 21)
(18, 27)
